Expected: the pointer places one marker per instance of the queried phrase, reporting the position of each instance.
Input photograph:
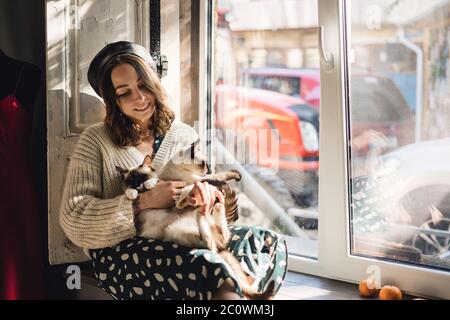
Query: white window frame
(334, 258)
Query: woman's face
(134, 100)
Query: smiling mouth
(143, 109)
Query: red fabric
(21, 253)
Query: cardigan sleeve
(88, 220)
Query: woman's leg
(141, 268)
(260, 248)
(262, 252)
(226, 292)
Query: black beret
(101, 59)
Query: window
(380, 202)
(265, 125)
(400, 203)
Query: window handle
(326, 57)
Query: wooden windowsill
(299, 286)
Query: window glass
(399, 131)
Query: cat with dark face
(184, 224)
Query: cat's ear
(121, 170)
(147, 161)
(192, 151)
(196, 143)
(195, 148)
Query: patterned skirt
(140, 268)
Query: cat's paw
(131, 194)
(218, 208)
(150, 183)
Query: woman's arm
(161, 196)
(164, 194)
(88, 220)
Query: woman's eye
(142, 86)
(124, 94)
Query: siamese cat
(184, 224)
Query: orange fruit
(390, 293)
(365, 291)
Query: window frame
(335, 260)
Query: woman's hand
(161, 196)
(204, 195)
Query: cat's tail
(245, 281)
(233, 174)
(218, 178)
(231, 203)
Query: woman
(97, 216)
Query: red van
(303, 83)
(376, 103)
(297, 161)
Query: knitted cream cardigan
(94, 212)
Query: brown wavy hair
(122, 130)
